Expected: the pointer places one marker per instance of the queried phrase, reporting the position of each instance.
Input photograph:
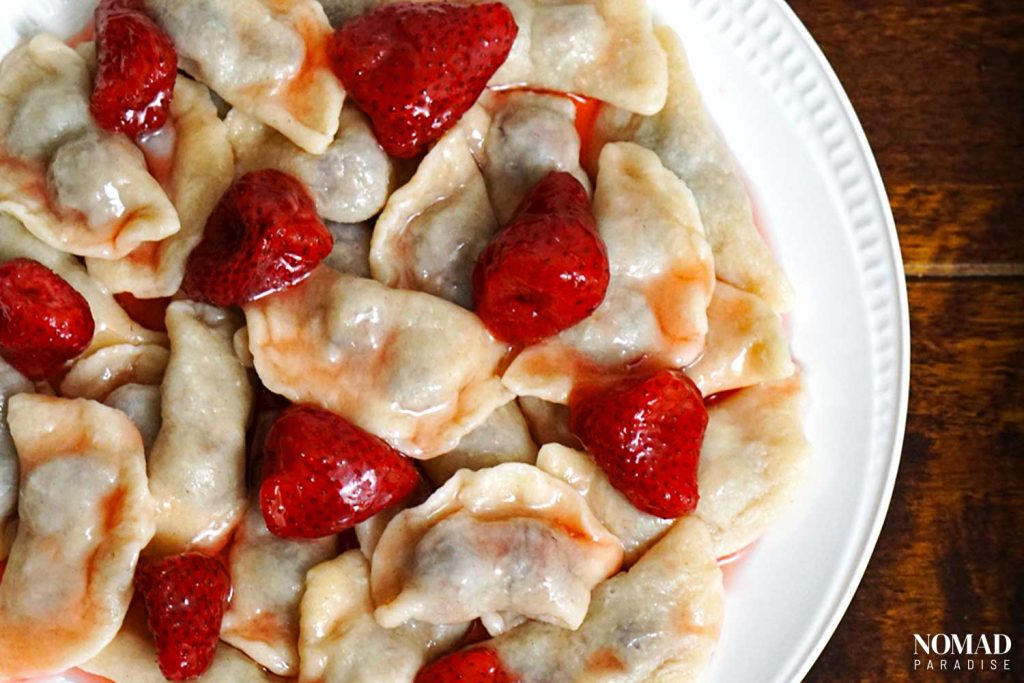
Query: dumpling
(265, 57)
(131, 657)
(662, 279)
(637, 530)
(351, 251)
(656, 623)
(549, 422)
(98, 375)
(746, 344)
(413, 369)
(113, 326)
(199, 170)
(78, 188)
(505, 541)
(268, 575)
(434, 227)
(604, 49)
(753, 460)
(85, 514)
(685, 137)
(340, 640)
(350, 181)
(197, 466)
(504, 437)
(531, 135)
(11, 383)
(141, 403)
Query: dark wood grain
(939, 87)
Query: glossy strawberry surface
(547, 269)
(185, 597)
(44, 321)
(416, 68)
(263, 236)
(479, 665)
(646, 434)
(323, 475)
(136, 66)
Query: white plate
(817, 186)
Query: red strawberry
(322, 475)
(646, 435)
(149, 313)
(480, 665)
(416, 68)
(185, 598)
(263, 236)
(547, 270)
(136, 65)
(44, 322)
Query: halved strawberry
(479, 665)
(136, 66)
(263, 236)
(416, 68)
(322, 474)
(44, 321)
(646, 434)
(185, 597)
(547, 270)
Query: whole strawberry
(263, 236)
(416, 68)
(480, 665)
(44, 321)
(185, 597)
(322, 474)
(646, 435)
(547, 270)
(136, 66)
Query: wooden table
(939, 87)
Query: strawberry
(185, 598)
(149, 313)
(263, 236)
(547, 270)
(136, 65)
(646, 435)
(479, 665)
(416, 68)
(322, 474)
(44, 321)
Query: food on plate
(386, 341)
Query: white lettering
(961, 646)
(1002, 644)
(983, 647)
(942, 649)
(923, 643)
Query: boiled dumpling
(197, 466)
(413, 369)
(656, 623)
(265, 57)
(76, 187)
(268, 575)
(685, 137)
(85, 513)
(340, 640)
(505, 541)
